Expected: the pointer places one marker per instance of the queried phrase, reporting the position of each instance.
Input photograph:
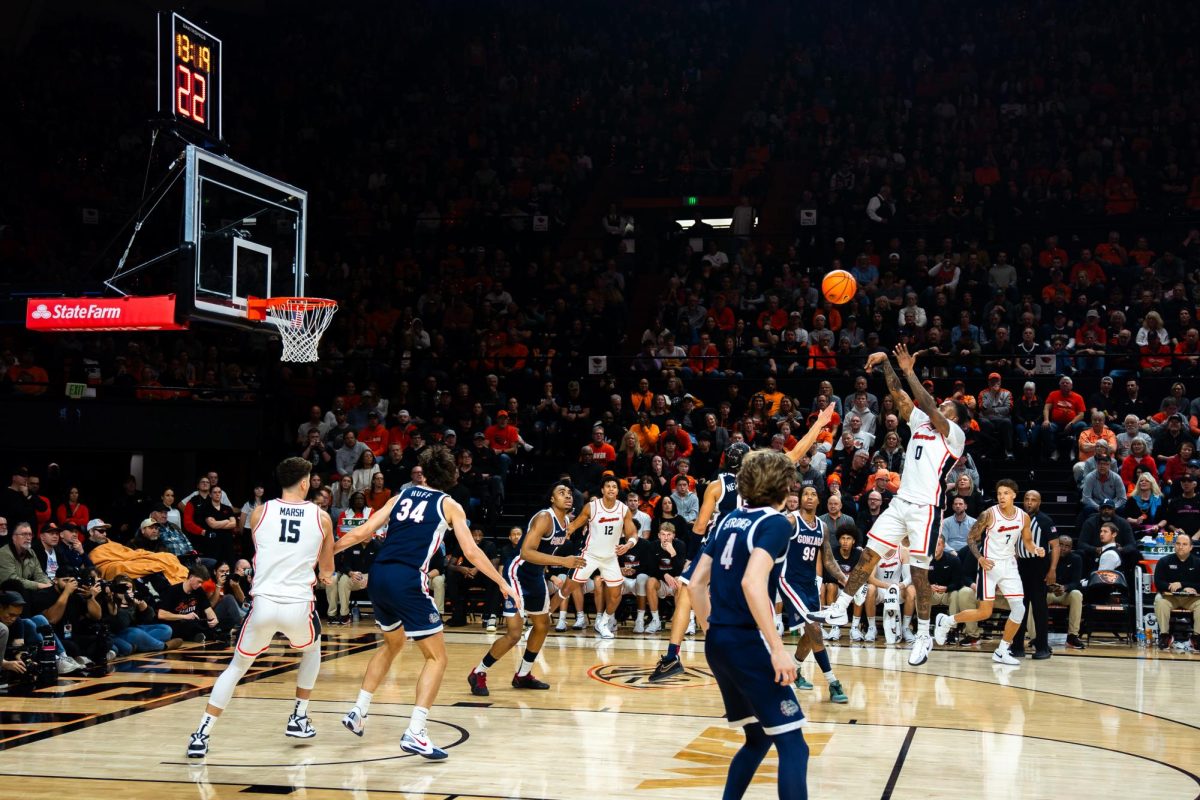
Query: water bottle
(355, 614)
(67, 631)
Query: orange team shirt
(1065, 407)
(376, 438)
(603, 454)
(501, 439)
(647, 436)
(772, 399)
(1090, 437)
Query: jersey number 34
(406, 510)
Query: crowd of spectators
(1014, 207)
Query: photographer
(226, 597)
(132, 620)
(71, 608)
(185, 608)
(11, 606)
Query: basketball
(839, 287)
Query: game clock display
(189, 75)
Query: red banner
(155, 313)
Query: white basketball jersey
(287, 541)
(892, 572)
(606, 527)
(928, 459)
(1001, 536)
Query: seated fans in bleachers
(1177, 578)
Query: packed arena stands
(1015, 191)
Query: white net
(300, 322)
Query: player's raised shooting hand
(904, 359)
(875, 360)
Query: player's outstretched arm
(697, 589)
(368, 528)
(923, 399)
(325, 556)
(904, 403)
(762, 606)
(458, 522)
(810, 438)
(580, 521)
(976, 534)
(707, 508)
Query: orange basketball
(839, 287)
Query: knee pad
(1016, 612)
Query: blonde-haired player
(1000, 527)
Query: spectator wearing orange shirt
(503, 439)
(703, 358)
(1187, 355)
(772, 316)
(1062, 414)
(772, 396)
(603, 453)
(1097, 432)
(375, 436)
(673, 433)
(722, 314)
(1050, 252)
(1113, 254)
(641, 398)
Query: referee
(1037, 573)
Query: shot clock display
(189, 75)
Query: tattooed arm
(904, 403)
(923, 399)
(975, 534)
(833, 571)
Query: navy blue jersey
(729, 546)
(728, 501)
(800, 568)
(555, 538)
(415, 528)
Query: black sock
(489, 659)
(531, 656)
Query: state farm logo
(91, 311)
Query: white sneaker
(919, 653)
(600, 625)
(67, 665)
(856, 634)
(1005, 658)
(639, 626)
(942, 628)
(580, 622)
(691, 628)
(300, 727)
(909, 636)
(833, 634)
(561, 626)
(871, 633)
(421, 746)
(832, 615)
(613, 624)
(491, 624)
(604, 632)
(654, 627)
(355, 722)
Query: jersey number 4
(406, 510)
(289, 531)
(727, 553)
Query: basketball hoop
(300, 322)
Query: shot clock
(189, 75)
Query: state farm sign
(101, 313)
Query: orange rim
(256, 307)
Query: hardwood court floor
(1112, 723)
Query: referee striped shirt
(1043, 530)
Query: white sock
(482, 668)
(922, 627)
(830, 677)
(579, 615)
(206, 723)
(416, 726)
(843, 599)
(692, 617)
(562, 616)
(641, 615)
(525, 668)
(654, 616)
(871, 622)
(907, 621)
(301, 708)
(363, 703)
(1002, 648)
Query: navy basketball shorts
(400, 599)
(800, 598)
(535, 598)
(741, 663)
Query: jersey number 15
(289, 531)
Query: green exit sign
(691, 201)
